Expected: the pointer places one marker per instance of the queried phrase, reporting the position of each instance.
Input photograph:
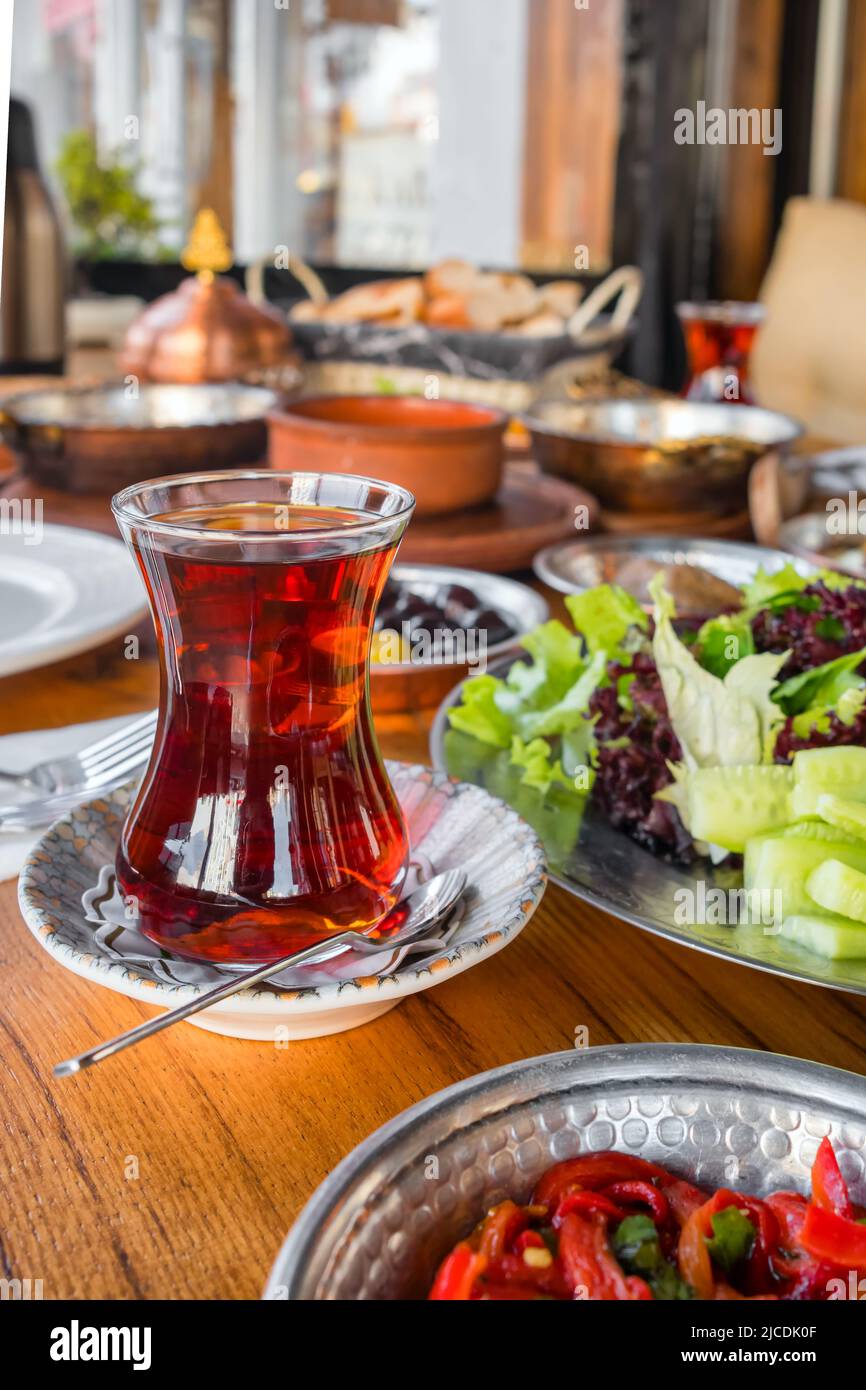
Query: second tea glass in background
(719, 337)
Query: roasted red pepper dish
(610, 1226)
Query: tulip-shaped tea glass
(719, 339)
(265, 819)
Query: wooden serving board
(736, 526)
(530, 510)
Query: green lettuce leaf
(766, 588)
(835, 580)
(555, 651)
(817, 719)
(540, 768)
(479, 715)
(724, 641)
(557, 662)
(718, 722)
(579, 755)
(822, 686)
(784, 587)
(623, 691)
(755, 678)
(569, 712)
(604, 616)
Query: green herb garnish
(637, 1247)
(732, 1239)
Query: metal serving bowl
(837, 476)
(696, 571)
(807, 537)
(413, 685)
(424, 684)
(100, 439)
(657, 455)
(382, 1221)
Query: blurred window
(381, 133)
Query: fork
(66, 781)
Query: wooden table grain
(175, 1170)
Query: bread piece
(381, 301)
(447, 311)
(561, 296)
(519, 295)
(307, 311)
(487, 309)
(544, 324)
(450, 277)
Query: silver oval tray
(573, 565)
(607, 869)
(379, 1225)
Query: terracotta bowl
(415, 685)
(447, 453)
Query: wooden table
(175, 1171)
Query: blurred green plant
(112, 220)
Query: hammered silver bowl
(380, 1224)
(657, 455)
(102, 438)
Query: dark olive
(427, 620)
(386, 616)
(457, 602)
(496, 627)
(408, 604)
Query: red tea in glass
(719, 339)
(265, 819)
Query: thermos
(33, 286)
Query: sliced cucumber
(831, 767)
(729, 805)
(752, 856)
(804, 797)
(849, 816)
(837, 887)
(783, 863)
(833, 937)
(819, 830)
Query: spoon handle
(202, 1001)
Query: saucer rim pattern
(40, 897)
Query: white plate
(62, 591)
(450, 824)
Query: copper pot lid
(207, 329)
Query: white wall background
(477, 169)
